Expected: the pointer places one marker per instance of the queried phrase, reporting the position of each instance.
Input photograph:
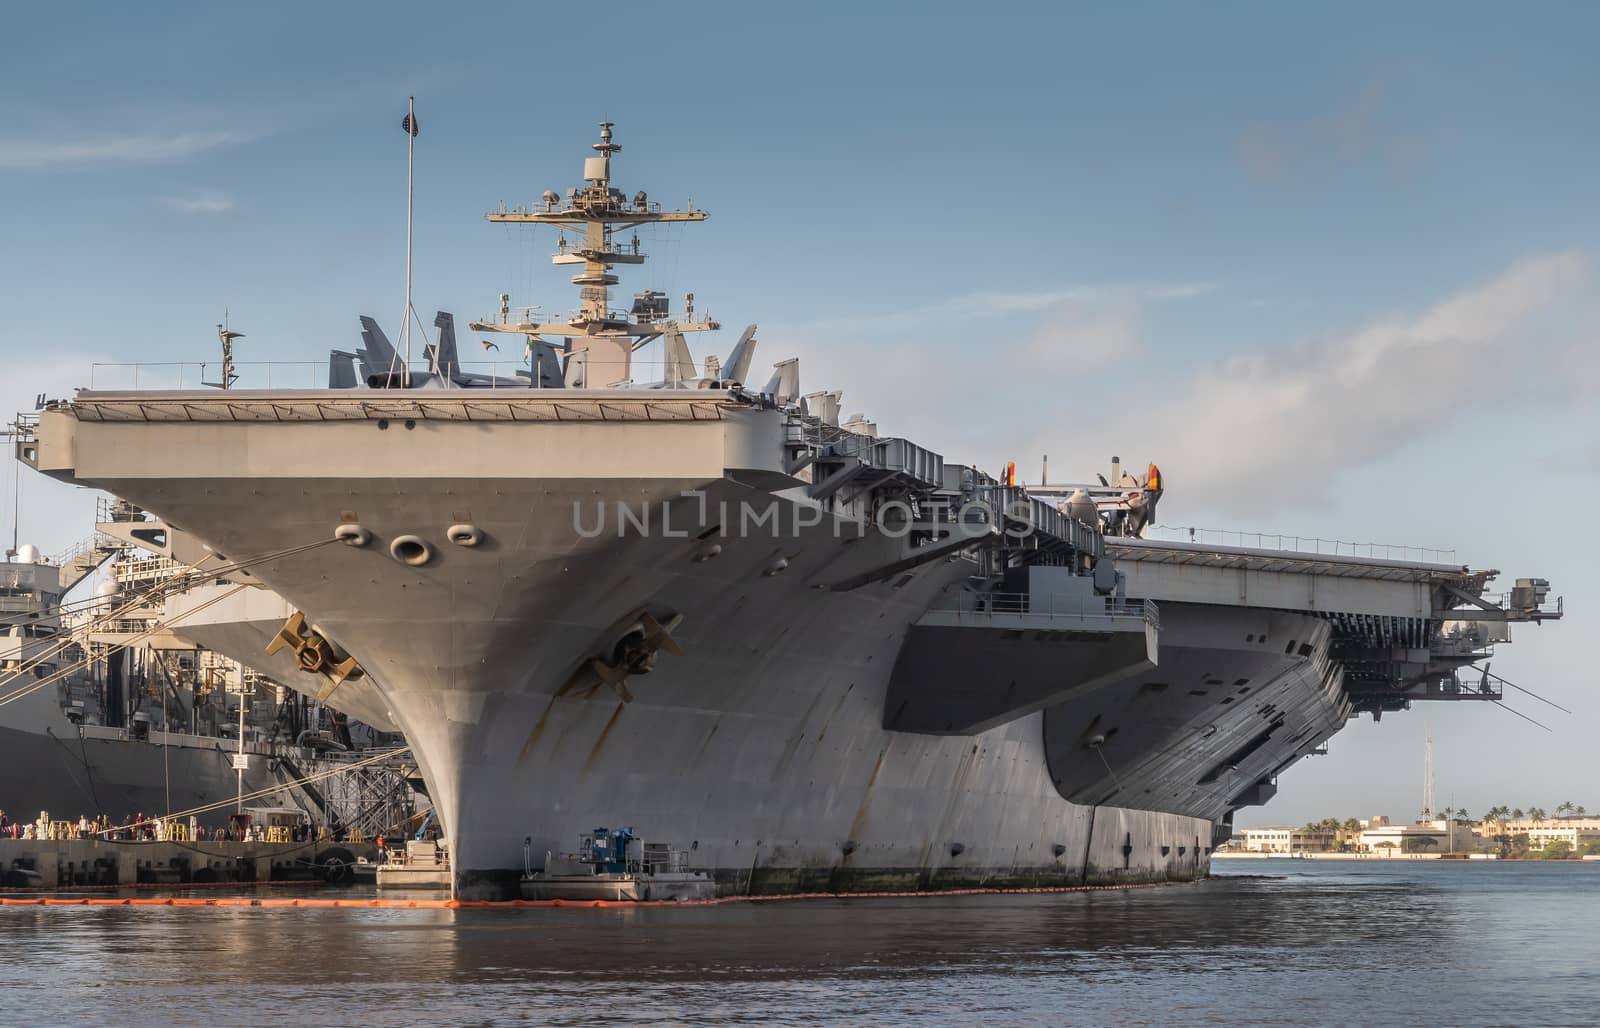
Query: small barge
(615, 864)
(423, 865)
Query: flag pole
(411, 149)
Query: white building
(1423, 837)
(1576, 832)
(1277, 839)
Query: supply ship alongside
(698, 603)
(111, 704)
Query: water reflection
(1448, 944)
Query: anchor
(634, 653)
(314, 653)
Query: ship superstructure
(819, 655)
(600, 340)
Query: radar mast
(225, 336)
(598, 211)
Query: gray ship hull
(50, 766)
(1232, 697)
(239, 625)
(1239, 695)
(760, 749)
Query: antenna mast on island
(602, 337)
(410, 125)
(15, 432)
(226, 336)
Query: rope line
(76, 665)
(182, 578)
(259, 793)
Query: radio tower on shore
(1427, 776)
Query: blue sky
(1333, 269)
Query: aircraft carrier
(699, 602)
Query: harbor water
(1318, 942)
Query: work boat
(822, 657)
(615, 864)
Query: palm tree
(1462, 815)
(1564, 809)
(1537, 813)
(1517, 814)
(1499, 813)
(1579, 811)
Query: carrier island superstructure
(813, 655)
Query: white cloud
(201, 203)
(148, 148)
(1579, 368)
(1584, 460)
(1177, 290)
(918, 320)
(970, 355)
(1009, 303)
(1310, 151)
(56, 375)
(53, 515)
(1268, 430)
(1077, 337)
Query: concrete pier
(64, 864)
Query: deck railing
(1299, 544)
(179, 375)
